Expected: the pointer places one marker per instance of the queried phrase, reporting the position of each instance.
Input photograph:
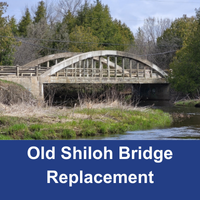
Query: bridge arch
(77, 58)
(49, 58)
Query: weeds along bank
(52, 123)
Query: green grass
(68, 133)
(16, 128)
(35, 127)
(99, 122)
(188, 103)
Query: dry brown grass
(112, 104)
(26, 110)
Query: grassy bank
(188, 103)
(73, 123)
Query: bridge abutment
(32, 84)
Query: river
(186, 127)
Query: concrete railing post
(84, 68)
(100, 67)
(17, 70)
(66, 71)
(87, 63)
(95, 66)
(138, 67)
(115, 66)
(92, 66)
(75, 73)
(36, 70)
(157, 75)
(108, 66)
(56, 62)
(131, 65)
(123, 65)
(80, 72)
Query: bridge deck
(96, 80)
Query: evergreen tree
(59, 32)
(97, 17)
(13, 26)
(24, 23)
(40, 13)
(84, 15)
(69, 21)
(7, 41)
(123, 37)
(83, 39)
(100, 22)
(90, 28)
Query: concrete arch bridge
(105, 67)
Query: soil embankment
(12, 93)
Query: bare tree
(69, 5)
(32, 45)
(41, 40)
(154, 28)
(25, 53)
(52, 15)
(146, 40)
(140, 47)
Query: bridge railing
(17, 71)
(78, 72)
(81, 72)
(109, 73)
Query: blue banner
(99, 170)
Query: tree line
(81, 26)
(70, 26)
(173, 45)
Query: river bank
(185, 125)
(63, 123)
(188, 103)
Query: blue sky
(132, 12)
